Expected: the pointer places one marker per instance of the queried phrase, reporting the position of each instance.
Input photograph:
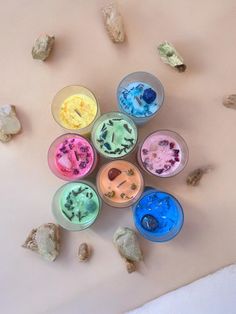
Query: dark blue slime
(158, 215)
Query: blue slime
(158, 215)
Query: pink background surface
(204, 33)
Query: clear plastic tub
(120, 183)
(72, 157)
(75, 108)
(140, 95)
(114, 135)
(76, 205)
(163, 153)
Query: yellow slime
(77, 111)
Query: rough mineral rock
(9, 123)
(195, 176)
(43, 47)
(126, 241)
(130, 266)
(45, 241)
(230, 101)
(169, 55)
(84, 252)
(113, 23)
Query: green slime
(79, 203)
(115, 137)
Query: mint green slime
(79, 203)
(114, 135)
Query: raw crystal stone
(126, 242)
(149, 95)
(9, 123)
(65, 162)
(149, 223)
(113, 173)
(43, 47)
(113, 23)
(45, 241)
(90, 206)
(169, 55)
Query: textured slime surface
(77, 111)
(139, 100)
(79, 203)
(115, 137)
(157, 213)
(74, 157)
(161, 154)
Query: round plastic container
(114, 135)
(72, 157)
(163, 153)
(75, 108)
(158, 215)
(76, 205)
(120, 183)
(140, 95)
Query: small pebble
(43, 47)
(84, 252)
(230, 101)
(196, 175)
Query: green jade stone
(79, 203)
(115, 137)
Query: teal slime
(158, 215)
